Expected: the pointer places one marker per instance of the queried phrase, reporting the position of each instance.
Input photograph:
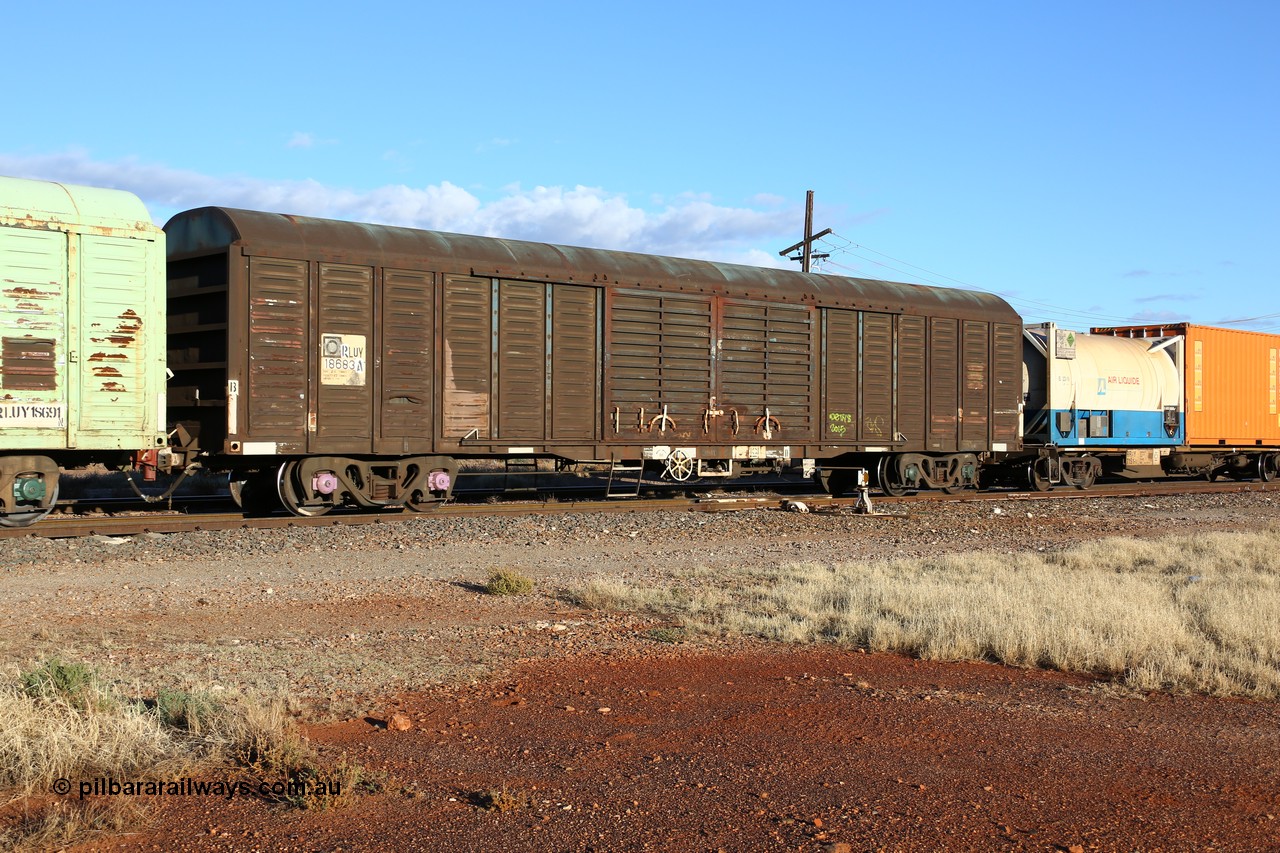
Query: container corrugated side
(1230, 382)
(1231, 387)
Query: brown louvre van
(388, 353)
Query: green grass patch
(75, 684)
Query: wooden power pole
(805, 246)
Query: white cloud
(759, 258)
(585, 216)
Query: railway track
(160, 521)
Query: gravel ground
(610, 739)
(339, 615)
(816, 749)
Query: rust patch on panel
(105, 356)
(113, 386)
(130, 326)
(106, 371)
(29, 293)
(28, 364)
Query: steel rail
(71, 526)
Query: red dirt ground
(780, 749)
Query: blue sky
(1094, 162)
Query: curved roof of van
(69, 207)
(211, 230)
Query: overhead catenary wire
(1250, 319)
(1063, 316)
(1042, 309)
(1049, 311)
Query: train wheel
(1038, 475)
(28, 517)
(256, 494)
(1085, 479)
(293, 496)
(427, 482)
(679, 466)
(884, 476)
(237, 489)
(420, 501)
(423, 500)
(1267, 467)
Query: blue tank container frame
(1095, 405)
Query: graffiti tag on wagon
(343, 359)
(29, 415)
(838, 423)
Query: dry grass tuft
(64, 823)
(46, 738)
(1178, 613)
(499, 799)
(508, 582)
(666, 635)
(310, 785)
(60, 722)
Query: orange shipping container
(1230, 380)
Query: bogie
(316, 485)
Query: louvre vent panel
(407, 355)
(911, 380)
(277, 333)
(659, 356)
(344, 411)
(522, 360)
(575, 360)
(1007, 392)
(877, 378)
(467, 368)
(944, 361)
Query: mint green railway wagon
(82, 337)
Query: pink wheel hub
(324, 483)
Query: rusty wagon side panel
(81, 319)
(302, 336)
(907, 383)
(659, 375)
